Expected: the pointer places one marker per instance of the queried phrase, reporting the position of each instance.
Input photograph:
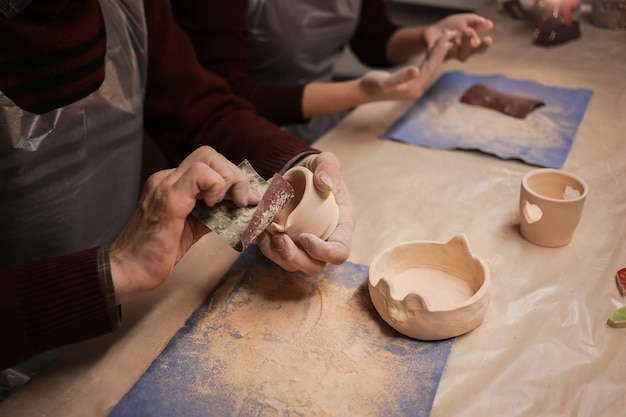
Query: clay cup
(309, 211)
(551, 205)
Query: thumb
(400, 77)
(480, 24)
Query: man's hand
(161, 231)
(309, 253)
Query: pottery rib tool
(239, 226)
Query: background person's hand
(466, 26)
(161, 231)
(311, 254)
(408, 82)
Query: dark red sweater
(51, 54)
(218, 31)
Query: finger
(199, 181)
(326, 170)
(484, 45)
(435, 57)
(202, 154)
(465, 49)
(400, 77)
(235, 180)
(480, 23)
(155, 180)
(474, 38)
(335, 250)
(283, 251)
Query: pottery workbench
(544, 347)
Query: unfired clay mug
(551, 204)
(309, 211)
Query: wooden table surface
(544, 347)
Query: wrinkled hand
(408, 82)
(311, 254)
(466, 27)
(161, 231)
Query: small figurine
(557, 24)
(554, 21)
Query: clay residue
(279, 192)
(271, 342)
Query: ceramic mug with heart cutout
(551, 205)
(309, 211)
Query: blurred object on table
(554, 21)
(609, 14)
(558, 23)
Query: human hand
(466, 27)
(408, 82)
(311, 254)
(161, 231)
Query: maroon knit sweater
(51, 54)
(218, 31)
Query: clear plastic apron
(300, 41)
(70, 178)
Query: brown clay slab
(509, 104)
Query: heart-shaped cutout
(570, 193)
(531, 212)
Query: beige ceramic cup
(309, 211)
(551, 204)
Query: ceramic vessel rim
(540, 171)
(479, 294)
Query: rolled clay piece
(509, 104)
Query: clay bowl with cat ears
(430, 290)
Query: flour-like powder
(278, 344)
(543, 137)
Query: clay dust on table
(270, 342)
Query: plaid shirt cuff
(106, 280)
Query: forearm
(51, 302)
(405, 43)
(323, 98)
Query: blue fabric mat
(543, 138)
(269, 342)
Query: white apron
(69, 179)
(300, 41)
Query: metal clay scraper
(239, 226)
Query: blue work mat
(270, 342)
(439, 120)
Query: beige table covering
(544, 349)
